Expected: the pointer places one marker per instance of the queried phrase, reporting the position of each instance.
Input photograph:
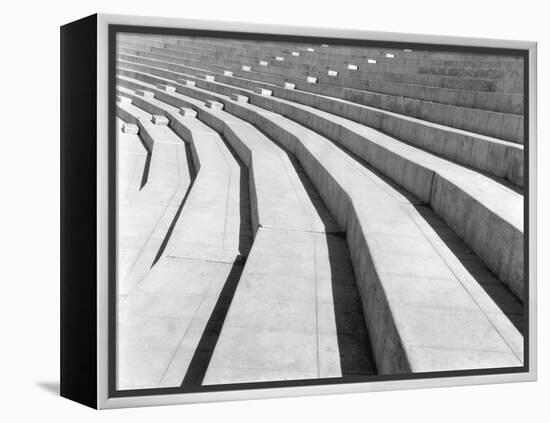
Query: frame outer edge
(103, 400)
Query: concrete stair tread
(489, 146)
(420, 256)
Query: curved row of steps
(488, 122)
(377, 242)
(493, 156)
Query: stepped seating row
(478, 208)
(467, 83)
(164, 178)
(484, 69)
(168, 300)
(301, 215)
(502, 102)
(498, 158)
(283, 208)
(495, 124)
(341, 53)
(390, 244)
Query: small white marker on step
(187, 112)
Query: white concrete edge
(104, 401)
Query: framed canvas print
(255, 211)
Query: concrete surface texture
(291, 211)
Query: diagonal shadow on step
(356, 357)
(501, 295)
(205, 348)
(146, 167)
(193, 176)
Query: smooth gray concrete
(372, 63)
(295, 313)
(463, 83)
(361, 80)
(415, 170)
(288, 209)
(162, 316)
(223, 48)
(336, 175)
(496, 157)
(348, 51)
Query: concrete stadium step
(324, 49)
(321, 56)
(494, 124)
(199, 258)
(509, 71)
(487, 215)
(347, 50)
(279, 199)
(163, 178)
(296, 314)
(355, 195)
(495, 157)
(358, 78)
(452, 82)
(500, 102)
(314, 61)
(134, 159)
(221, 172)
(290, 224)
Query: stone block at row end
(214, 105)
(311, 79)
(240, 98)
(295, 53)
(124, 100)
(279, 59)
(209, 78)
(167, 88)
(263, 91)
(160, 120)
(228, 73)
(145, 93)
(332, 73)
(130, 128)
(188, 83)
(390, 55)
(352, 66)
(246, 68)
(290, 85)
(263, 63)
(187, 112)
(371, 61)
(310, 49)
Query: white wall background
(29, 211)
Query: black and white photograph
(273, 212)
(294, 209)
